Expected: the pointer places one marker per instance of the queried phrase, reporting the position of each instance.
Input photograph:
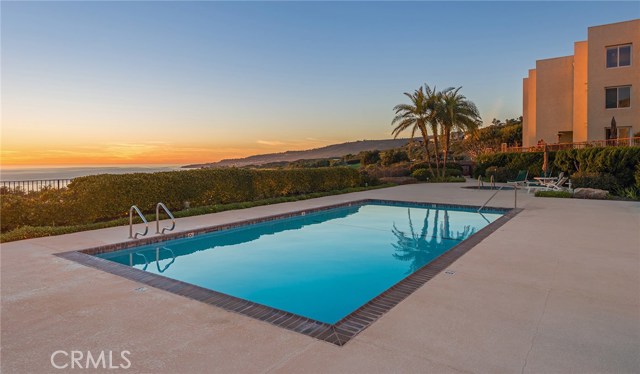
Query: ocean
(69, 172)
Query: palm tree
(421, 247)
(434, 103)
(414, 116)
(456, 112)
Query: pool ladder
(492, 181)
(157, 260)
(146, 227)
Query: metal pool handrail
(515, 197)
(173, 220)
(146, 228)
(487, 202)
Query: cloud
(270, 142)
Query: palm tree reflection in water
(422, 247)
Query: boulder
(590, 193)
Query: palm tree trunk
(435, 142)
(425, 136)
(447, 142)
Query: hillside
(334, 150)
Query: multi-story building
(574, 98)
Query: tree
(455, 112)
(415, 116)
(488, 139)
(393, 156)
(434, 105)
(369, 157)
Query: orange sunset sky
(91, 83)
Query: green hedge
(559, 194)
(105, 197)
(512, 162)
(620, 162)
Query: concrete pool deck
(556, 289)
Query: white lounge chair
(553, 186)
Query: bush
(620, 162)
(369, 157)
(425, 165)
(631, 193)
(393, 156)
(447, 180)
(530, 161)
(561, 194)
(396, 170)
(454, 165)
(500, 174)
(104, 197)
(27, 232)
(601, 181)
(368, 180)
(422, 175)
(453, 172)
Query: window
(618, 97)
(622, 132)
(619, 56)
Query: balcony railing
(620, 142)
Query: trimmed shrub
(104, 197)
(500, 174)
(368, 180)
(530, 161)
(560, 194)
(621, 162)
(601, 181)
(422, 175)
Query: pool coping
(340, 332)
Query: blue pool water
(322, 265)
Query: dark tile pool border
(340, 332)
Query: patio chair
(557, 186)
(552, 186)
(521, 179)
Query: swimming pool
(321, 265)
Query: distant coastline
(15, 173)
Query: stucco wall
(525, 112)
(600, 77)
(554, 97)
(531, 108)
(580, 65)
